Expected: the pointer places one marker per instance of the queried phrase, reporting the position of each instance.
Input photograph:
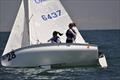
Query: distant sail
(47, 16)
(18, 37)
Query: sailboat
(27, 45)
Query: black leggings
(69, 41)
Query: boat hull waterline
(50, 54)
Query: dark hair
(74, 24)
(71, 25)
(56, 32)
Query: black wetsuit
(70, 36)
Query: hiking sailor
(55, 38)
(71, 34)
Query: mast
(26, 8)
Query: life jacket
(70, 35)
(55, 40)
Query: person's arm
(58, 40)
(73, 32)
(49, 39)
(59, 33)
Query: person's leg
(69, 41)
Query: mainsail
(19, 36)
(47, 16)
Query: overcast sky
(94, 14)
(88, 14)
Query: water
(108, 42)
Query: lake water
(108, 42)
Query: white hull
(50, 54)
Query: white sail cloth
(45, 16)
(18, 37)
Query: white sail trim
(47, 16)
(16, 36)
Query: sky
(87, 14)
(94, 14)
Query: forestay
(47, 16)
(19, 35)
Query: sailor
(55, 38)
(71, 33)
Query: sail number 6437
(51, 15)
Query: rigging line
(37, 40)
(30, 17)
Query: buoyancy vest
(55, 40)
(70, 35)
